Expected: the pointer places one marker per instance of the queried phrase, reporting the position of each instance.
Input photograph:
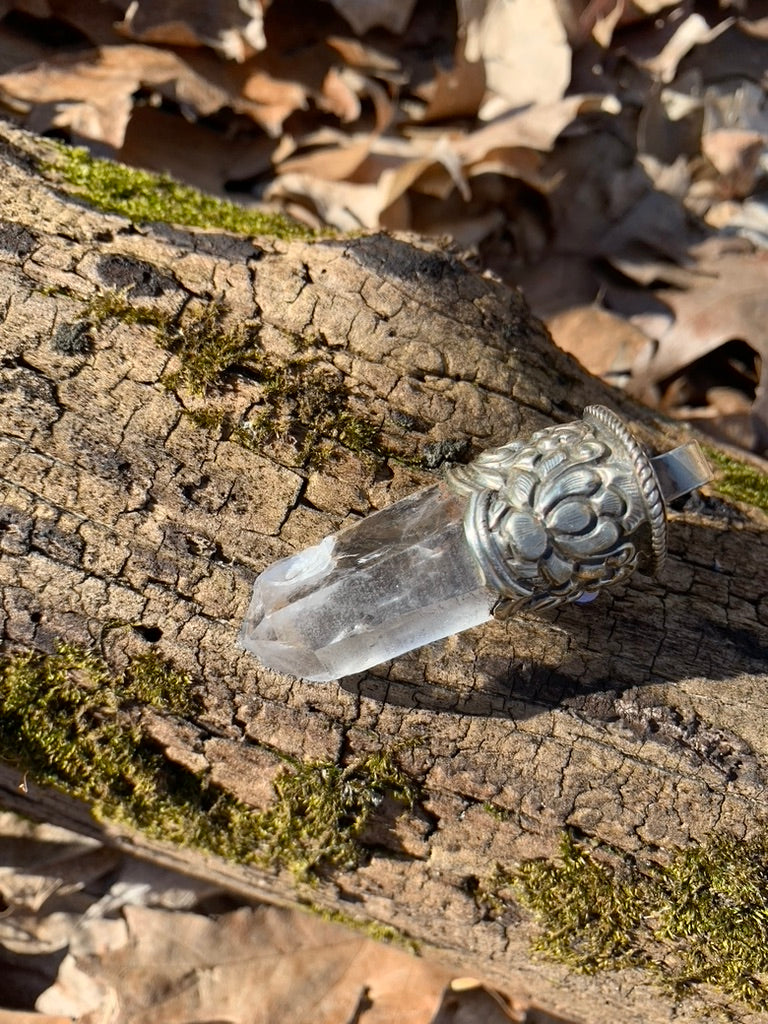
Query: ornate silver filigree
(572, 510)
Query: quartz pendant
(531, 524)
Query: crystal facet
(528, 525)
(394, 581)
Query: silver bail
(574, 509)
(681, 470)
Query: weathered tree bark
(639, 720)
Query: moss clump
(372, 929)
(322, 809)
(739, 480)
(300, 402)
(149, 679)
(590, 913)
(113, 304)
(145, 196)
(499, 813)
(309, 406)
(700, 919)
(208, 347)
(215, 421)
(68, 722)
(205, 344)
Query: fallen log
(180, 406)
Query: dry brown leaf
(467, 1001)
(467, 230)
(608, 18)
(342, 205)
(385, 170)
(93, 95)
(273, 100)
(730, 52)
(85, 999)
(729, 416)
(233, 27)
(748, 220)
(24, 1017)
(600, 18)
(339, 96)
(523, 48)
(431, 177)
(736, 155)
(96, 21)
(656, 228)
(727, 299)
(515, 162)
(650, 7)
(693, 31)
(16, 51)
(48, 877)
(558, 281)
(358, 53)
(332, 163)
(758, 27)
(535, 128)
(25, 887)
(605, 344)
(263, 966)
(214, 165)
(455, 91)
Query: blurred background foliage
(608, 156)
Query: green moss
(372, 929)
(215, 421)
(110, 304)
(308, 406)
(208, 347)
(739, 480)
(591, 913)
(322, 809)
(69, 722)
(145, 196)
(300, 403)
(496, 812)
(206, 344)
(151, 680)
(700, 919)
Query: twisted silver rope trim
(646, 478)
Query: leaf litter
(595, 152)
(120, 941)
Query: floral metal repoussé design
(528, 525)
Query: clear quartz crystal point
(396, 580)
(528, 525)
